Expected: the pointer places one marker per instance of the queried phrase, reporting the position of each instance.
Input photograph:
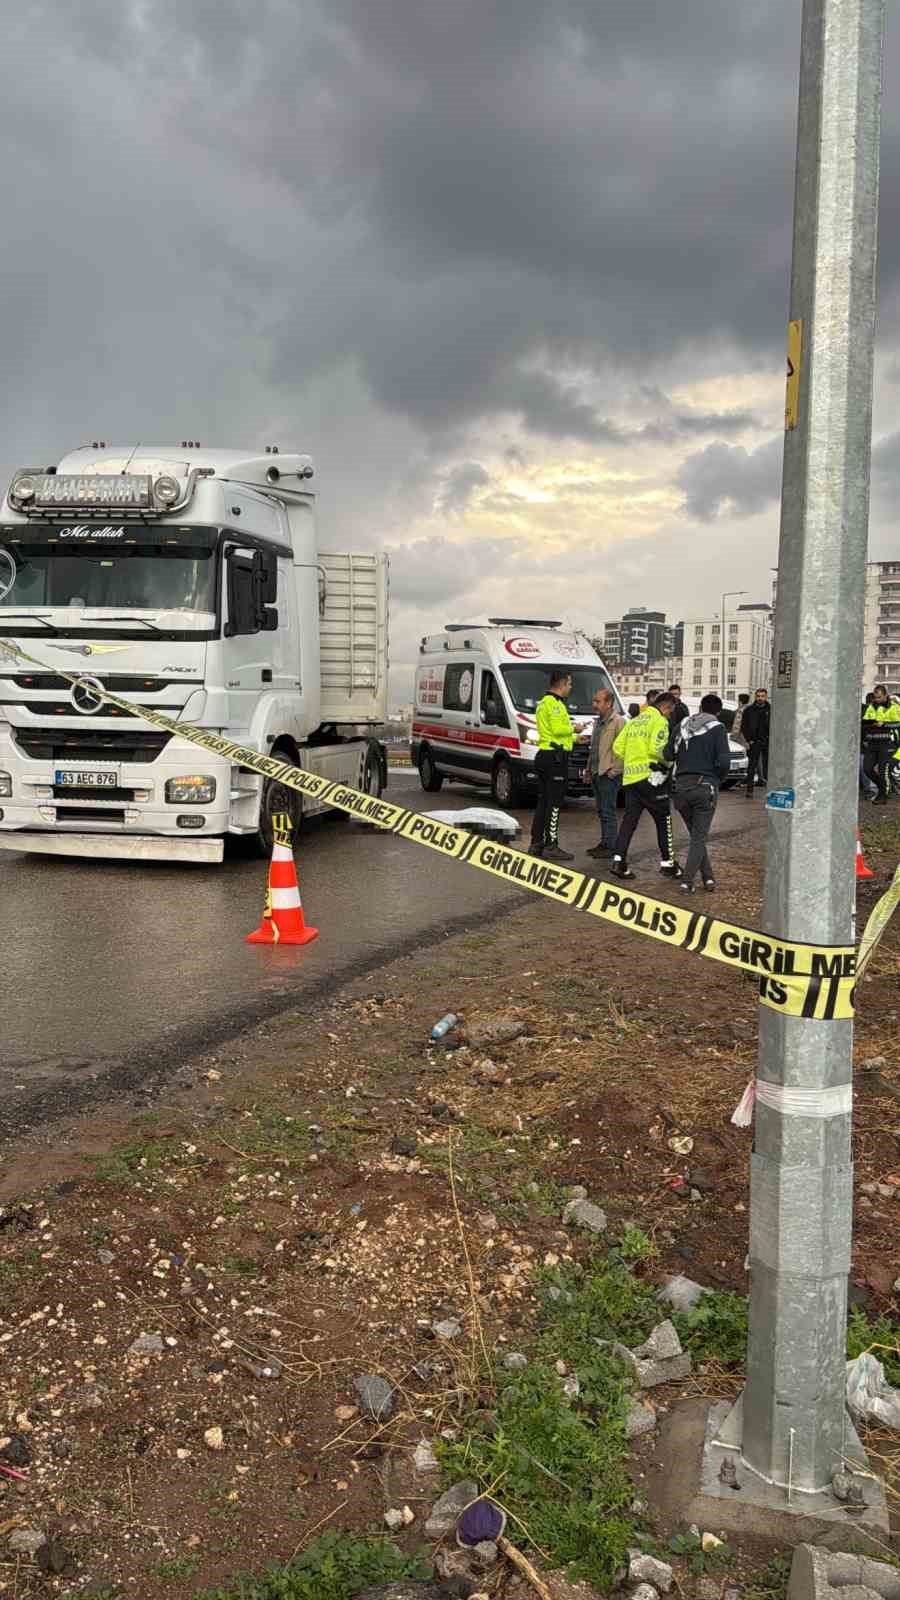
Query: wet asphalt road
(107, 966)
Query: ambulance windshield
(528, 684)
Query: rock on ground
(818, 1574)
(446, 1511)
(376, 1397)
(640, 1419)
(26, 1541)
(661, 1359)
(494, 1030)
(586, 1215)
(646, 1569)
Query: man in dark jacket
(699, 748)
(681, 710)
(755, 728)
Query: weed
(772, 1582)
(698, 1559)
(132, 1162)
(557, 1468)
(177, 1569)
(882, 1336)
(881, 835)
(335, 1566)
(605, 1302)
(269, 1131)
(716, 1328)
(635, 1244)
(241, 1266)
(557, 1463)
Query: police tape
(800, 980)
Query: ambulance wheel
(429, 777)
(504, 789)
(276, 798)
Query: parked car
(738, 773)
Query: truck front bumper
(115, 847)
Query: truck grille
(81, 746)
(69, 792)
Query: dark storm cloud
(728, 477)
(459, 485)
(483, 210)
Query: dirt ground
(315, 1195)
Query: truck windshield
(138, 567)
(528, 684)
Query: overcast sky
(515, 273)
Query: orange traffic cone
(862, 871)
(282, 920)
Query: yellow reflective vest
(554, 725)
(641, 744)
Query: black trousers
(695, 801)
(757, 756)
(551, 767)
(877, 759)
(641, 797)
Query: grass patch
(635, 1244)
(882, 1336)
(772, 1582)
(881, 835)
(178, 1569)
(139, 1159)
(336, 1566)
(557, 1464)
(269, 1132)
(716, 1328)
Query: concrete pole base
(698, 1438)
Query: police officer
(881, 726)
(556, 737)
(641, 747)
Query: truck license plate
(76, 778)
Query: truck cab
(191, 581)
(476, 694)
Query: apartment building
(881, 640)
(639, 637)
(738, 662)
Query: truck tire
(373, 773)
(276, 797)
(429, 777)
(505, 791)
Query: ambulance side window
(493, 711)
(458, 685)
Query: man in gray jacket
(700, 750)
(604, 770)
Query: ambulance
(476, 694)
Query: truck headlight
(526, 734)
(193, 790)
(5, 786)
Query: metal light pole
(728, 595)
(801, 1176)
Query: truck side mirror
(265, 564)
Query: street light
(728, 595)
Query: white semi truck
(190, 580)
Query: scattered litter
(869, 1395)
(424, 1458)
(742, 1116)
(448, 1328)
(709, 1541)
(479, 1523)
(682, 1293)
(445, 1024)
(681, 1143)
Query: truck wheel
(373, 781)
(276, 797)
(429, 777)
(504, 789)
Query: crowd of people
(661, 754)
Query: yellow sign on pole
(794, 356)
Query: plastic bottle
(444, 1026)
